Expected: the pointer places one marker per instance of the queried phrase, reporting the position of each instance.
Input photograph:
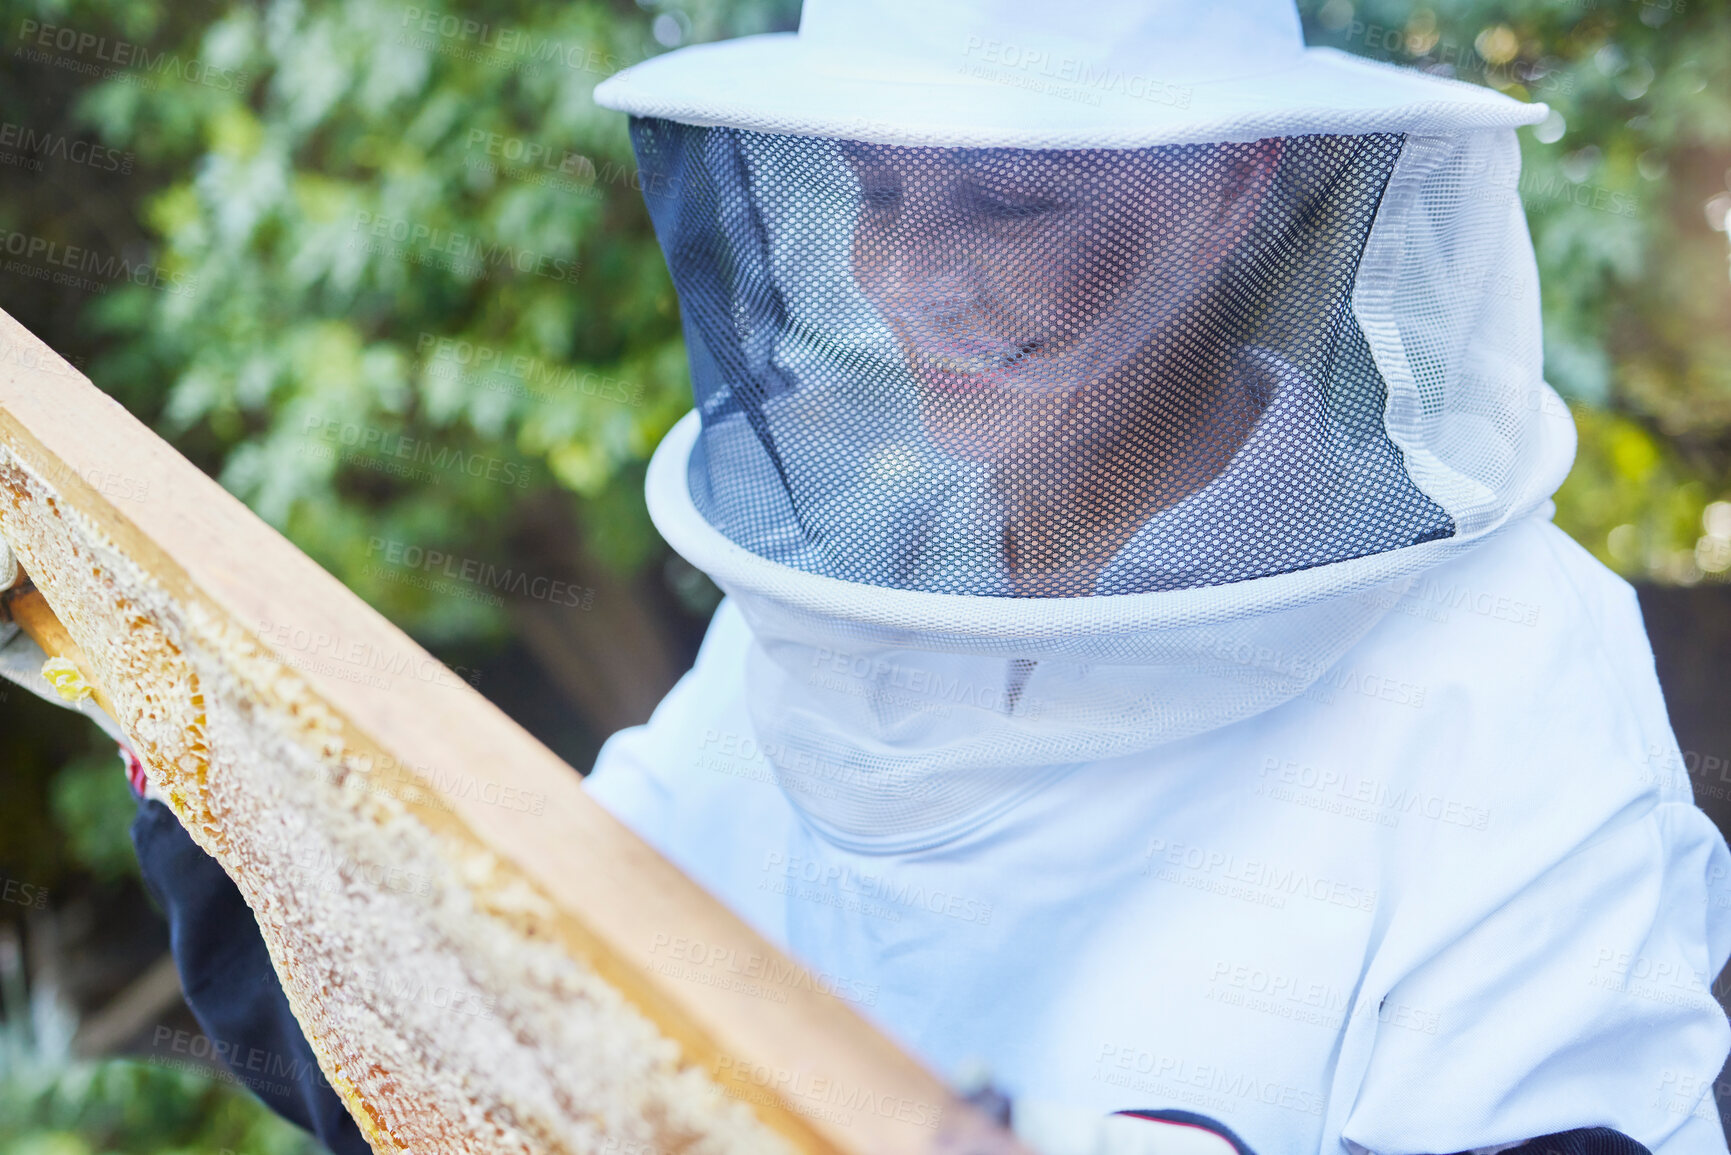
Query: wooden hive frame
(474, 948)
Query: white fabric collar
(892, 742)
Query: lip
(965, 367)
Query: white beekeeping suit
(1148, 667)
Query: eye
(880, 189)
(1002, 205)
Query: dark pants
(229, 984)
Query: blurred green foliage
(119, 1105)
(412, 246)
(93, 809)
(36, 742)
(51, 1104)
(1626, 189)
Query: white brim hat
(1039, 74)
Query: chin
(965, 432)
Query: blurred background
(384, 270)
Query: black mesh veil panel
(1017, 372)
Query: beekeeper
(1148, 671)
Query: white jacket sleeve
(1585, 1000)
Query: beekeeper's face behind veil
(1019, 285)
(1030, 430)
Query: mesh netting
(1028, 376)
(1050, 373)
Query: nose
(940, 299)
(928, 258)
(936, 286)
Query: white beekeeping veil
(1070, 381)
